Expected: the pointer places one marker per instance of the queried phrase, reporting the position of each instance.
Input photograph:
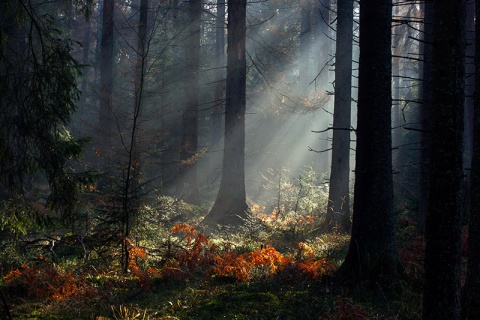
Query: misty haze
(234, 159)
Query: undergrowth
(274, 268)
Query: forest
(234, 159)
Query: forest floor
(44, 292)
(279, 272)
(223, 299)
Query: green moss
(239, 305)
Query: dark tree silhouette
(372, 253)
(471, 289)
(426, 106)
(443, 224)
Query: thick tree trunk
(190, 115)
(13, 85)
(471, 290)
(372, 254)
(219, 98)
(338, 212)
(426, 107)
(441, 299)
(469, 83)
(230, 205)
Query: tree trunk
(230, 205)
(398, 32)
(219, 98)
(131, 182)
(189, 141)
(140, 69)
(86, 61)
(441, 299)
(471, 290)
(426, 107)
(106, 77)
(324, 65)
(469, 83)
(372, 254)
(338, 211)
(305, 34)
(13, 67)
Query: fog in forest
(174, 157)
(153, 94)
(289, 95)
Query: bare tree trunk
(219, 98)
(441, 298)
(106, 77)
(372, 254)
(469, 83)
(13, 69)
(140, 70)
(86, 61)
(230, 205)
(471, 289)
(324, 65)
(190, 115)
(397, 131)
(338, 211)
(426, 107)
(132, 175)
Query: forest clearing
(234, 159)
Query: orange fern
(46, 282)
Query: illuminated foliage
(46, 282)
(202, 255)
(135, 253)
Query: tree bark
(106, 75)
(13, 67)
(426, 107)
(230, 206)
(338, 211)
(469, 83)
(219, 98)
(441, 299)
(86, 43)
(189, 143)
(398, 33)
(372, 254)
(471, 289)
(324, 65)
